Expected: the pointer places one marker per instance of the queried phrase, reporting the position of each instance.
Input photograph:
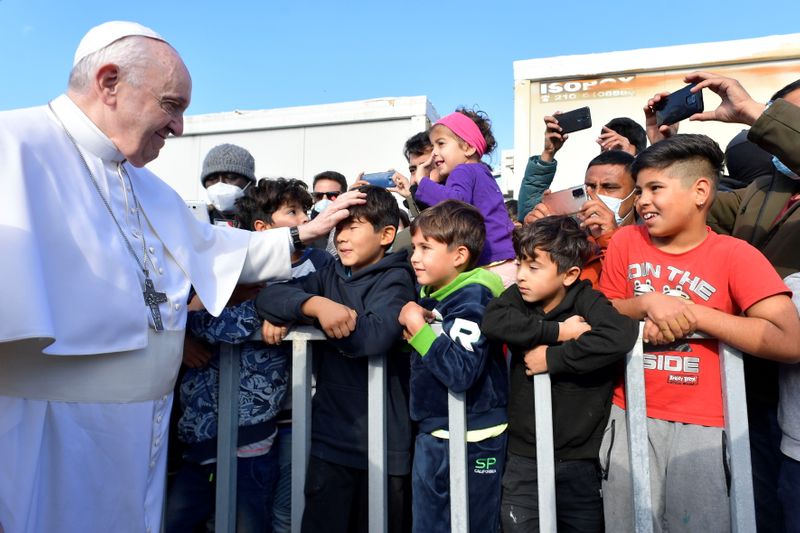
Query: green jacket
(538, 177)
(749, 213)
(778, 132)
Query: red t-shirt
(682, 379)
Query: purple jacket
(472, 183)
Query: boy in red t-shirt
(655, 273)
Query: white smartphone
(200, 210)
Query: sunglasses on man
(332, 195)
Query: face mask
(223, 196)
(320, 206)
(783, 169)
(613, 204)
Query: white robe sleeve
(268, 256)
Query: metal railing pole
(301, 415)
(734, 401)
(227, 435)
(545, 454)
(376, 444)
(638, 446)
(459, 489)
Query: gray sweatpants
(687, 476)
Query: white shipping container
(618, 84)
(299, 142)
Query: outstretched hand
(332, 215)
(553, 138)
(737, 105)
(611, 140)
(654, 132)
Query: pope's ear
(106, 83)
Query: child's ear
(702, 190)
(571, 276)
(462, 256)
(387, 235)
(260, 225)
(469, 150)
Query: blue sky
(257, 55)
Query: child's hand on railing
(669, 318)
(413, 318)
(336, 320)
(273, 334)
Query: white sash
(122, 377)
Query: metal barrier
(227, 430)
(736, 430)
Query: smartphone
(679, 105)
(380, 179)
(575, 120)
(566, 202)
(200, 210)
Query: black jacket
(339, 407)
(582, 371)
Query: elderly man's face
(149, 112)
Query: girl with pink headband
(459, 141)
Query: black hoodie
(339, 407)
(582, 371)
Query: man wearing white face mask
(227, 171)
(611, 191)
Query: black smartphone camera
(575, 120)
(679, 105)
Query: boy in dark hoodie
(553, 322)
(355, 302)
(451, 353)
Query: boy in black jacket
(451, 353)
(356, 302)
(553, 322)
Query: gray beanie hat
(228, 158)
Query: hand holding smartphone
(678, 106)
(566, 202)
(380, 179)
(575, 120)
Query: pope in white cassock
(99, 255)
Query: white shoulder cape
(66, 278)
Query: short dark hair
(631, 130)
(453, 223)
(784, 92)
(260, 201)
(512, 206)
(333, 176)
(417, 145)
(404, 219)
(560, 236)
(613, 157)
(694, 149)
(380, 210)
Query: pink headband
(464, 127)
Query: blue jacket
(459, 357)
(339, 407)
(263, 373)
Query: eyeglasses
(331, 195)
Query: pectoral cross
(151, 299)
